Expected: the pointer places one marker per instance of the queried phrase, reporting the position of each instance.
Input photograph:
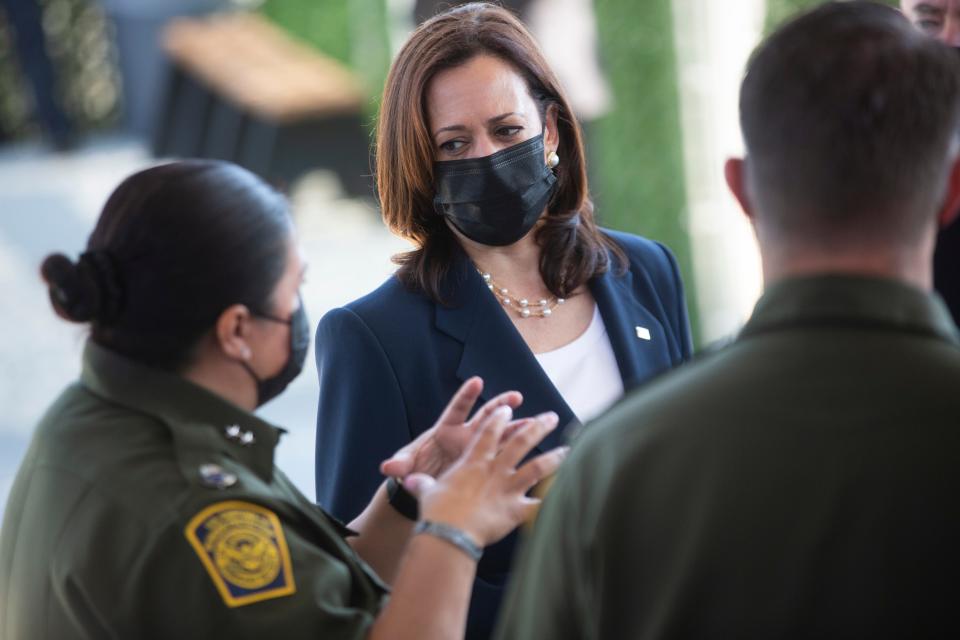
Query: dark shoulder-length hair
(573, 249)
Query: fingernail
(504, 411)
(549, 416)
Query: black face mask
(497, 199)
(270, 388)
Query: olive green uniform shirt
(800, 483)
(147, 507)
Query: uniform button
(247, 438)
(232, 432)
(215, 476)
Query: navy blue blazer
(390, 361)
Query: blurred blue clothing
(946, 268)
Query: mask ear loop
(270, 318)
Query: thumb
(398, 466)
(418, 484)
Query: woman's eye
(451, 146)
(930, 26)
(508, 132)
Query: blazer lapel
(494, 350)
(636, 336)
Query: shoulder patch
(242, 547)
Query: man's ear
(951, 202)
(232, 332)
(735, 172)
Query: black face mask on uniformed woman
(270, 388)
(495, 200)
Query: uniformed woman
(148, 504)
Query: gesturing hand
(484, 492)
(437, 448)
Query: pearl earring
(553, 159)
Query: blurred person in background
(480, 165)
(148, 504)
(941, 19)
(800, 482)
(26, 20)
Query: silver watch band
(454, 536)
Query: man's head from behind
(850, 118)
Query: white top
(585, 371)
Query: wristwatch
(402, 500)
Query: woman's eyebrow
(461, 127)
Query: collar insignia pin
(216, 477)
(643, 333)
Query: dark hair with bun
(174, 246)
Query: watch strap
(402, 500)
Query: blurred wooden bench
(241, 89)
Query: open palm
(436, 449)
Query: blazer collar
(494, 350)
(638, 339)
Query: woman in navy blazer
(480, 165)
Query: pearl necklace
(543, 308)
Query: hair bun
(83, 291)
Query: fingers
(418, 484)
(458, 409)
(512, 399)
(528, 509)
(513, 427)
(489, 433)
(541, 467)
(527, 437)
(399, 465)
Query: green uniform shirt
(801, 483)
(147, 507)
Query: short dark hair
(174, 247)
(849, 115)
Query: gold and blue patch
(242, 547)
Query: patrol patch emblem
(242, 547)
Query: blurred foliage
(637, 148)
(352, 31)
(780, 10)
(78, 40)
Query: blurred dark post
(138, 25)
(26, 19)
(243, 90)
